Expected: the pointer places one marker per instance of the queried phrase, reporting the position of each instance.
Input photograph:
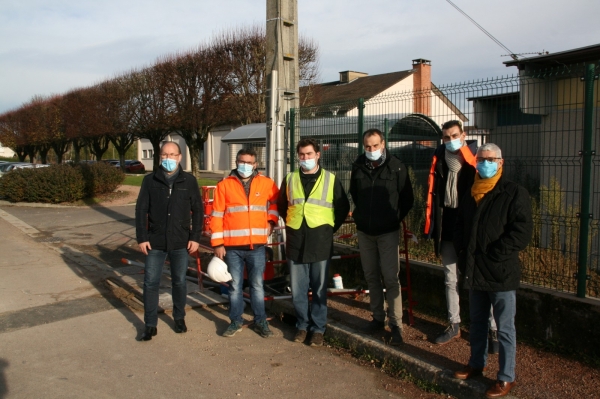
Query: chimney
(422, 86)
(349, 76)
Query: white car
(7, 167)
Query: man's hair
(373, 132)
(450, 124)
(490, 147)
(246, 151)
(306, 142)
(171, 142)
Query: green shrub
(100, 178)
(58, 183)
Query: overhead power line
(513, 55)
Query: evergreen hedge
(60, 183)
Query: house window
(144, 154)
(150, 153)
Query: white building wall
(216, 158)
(6, 152)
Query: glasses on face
(245, 163)
(170, 156)
(489, 159)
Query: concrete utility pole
(283, 80)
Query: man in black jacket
(168, 218)
(382, 195)
(314, 205)
(451, 176)
(494, 223)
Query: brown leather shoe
(499, 389)
(468, 372)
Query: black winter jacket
(488, 237)
(169, 218)
(382, 197)
(442, 219)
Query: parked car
(8, 166)
(132, 166)
(112, 162)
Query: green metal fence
(547, 125)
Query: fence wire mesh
(536, 118)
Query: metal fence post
(292, 139)
(361, 123)
(586, 180)
(385, 132)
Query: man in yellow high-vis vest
(314, 205)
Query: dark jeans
(314, 276)
(153, 271)
(255, 265)
(504, 308)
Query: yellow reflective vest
(317, 209)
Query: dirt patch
(123, 195)
(540, 374)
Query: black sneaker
(396, 339)
(180, 326)
(493, 344)
(374, 326)
(148, 333)
(262, 327)
(452, 332)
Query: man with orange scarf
(494, 223)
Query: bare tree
(153, 114)
(196, 84)
(309, 70)
(119, 109)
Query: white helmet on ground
(217, 270)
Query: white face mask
(373, 156)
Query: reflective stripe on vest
(243, 233)
(317, 209)
(245, 208)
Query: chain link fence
(541, 120)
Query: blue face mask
(245, 170)
(487, 169)
(169, 164)
(308, 164)
(454, 145)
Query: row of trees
(188, 93)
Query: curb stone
(416, 367)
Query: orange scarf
(483, 186)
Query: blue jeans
(152, 273)
(255, 265)
(505, 308)
(314, 276)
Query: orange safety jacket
(238, 219)
(431, 182)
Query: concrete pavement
(63, 334)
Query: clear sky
(51, 46)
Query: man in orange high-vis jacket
(451, 176)
(244, 214)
